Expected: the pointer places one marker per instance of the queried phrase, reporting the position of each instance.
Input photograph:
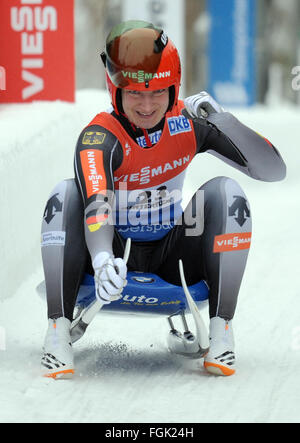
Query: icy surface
(124, 372)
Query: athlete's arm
(224, 136)
(244, 149)
(211, 140)
(98, 154)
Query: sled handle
(202, 335)
(127, 250)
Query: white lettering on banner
(28, 18)
(31, 19)
(32, 44)
(32, 63)
(2, 79)
(36, 84)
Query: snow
(124, 373)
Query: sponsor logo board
(37, 65)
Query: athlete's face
(145, 109)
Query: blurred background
(241, 51)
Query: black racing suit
(212, 235)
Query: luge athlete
(130, 165)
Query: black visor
(133, 52)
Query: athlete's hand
(110, 277)
(200, 106)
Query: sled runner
(148, 294)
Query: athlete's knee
(237, 202)
(65, 187)
(222, 189)
(238, 208)
(64, 198)
(218, 185)
(231, 187)
(224, 199)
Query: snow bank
(37, 144)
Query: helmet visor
(133, 53)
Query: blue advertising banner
(231, 51)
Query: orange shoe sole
(218, 369)
(68, 373)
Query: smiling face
(145, 109)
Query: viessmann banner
(37, 59)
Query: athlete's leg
(219, 256)
(64, 251)
(219, 253)
(226, 242)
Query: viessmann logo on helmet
(142, 76)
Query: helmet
(139, 56)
